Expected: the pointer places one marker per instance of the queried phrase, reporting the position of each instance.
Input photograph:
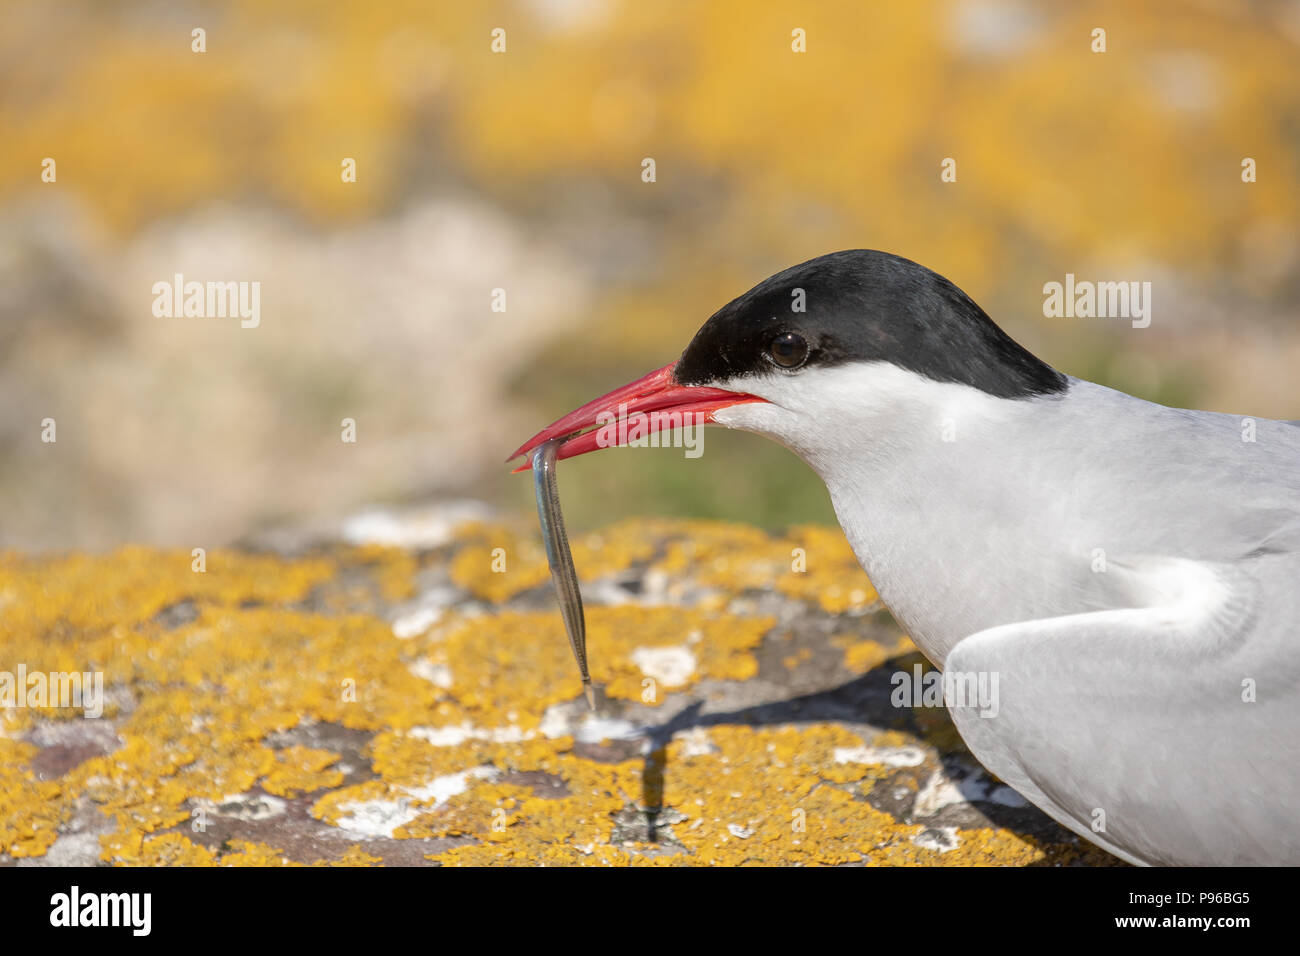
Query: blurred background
(522, 170)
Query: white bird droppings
(889, 756)
(455, 734)
(695, 742)
(415, 623)
(942, 839)
(940, 791)
(437, 674)
(670, 666)
(429, 527)
(559, 721)
(381, 818)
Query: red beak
(654, 402)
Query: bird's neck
(966, 509)
(947, 503)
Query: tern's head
(832, 344)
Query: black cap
(862, 305)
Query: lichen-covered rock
(354, 704)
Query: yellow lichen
(169, 849)
(521, 662)
(206, 693)
(495, 563)
(30, 810)
(302, 770)
(810, 563)
(246, 853)
(355, 856)
(861, 656)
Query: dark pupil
(789, 350)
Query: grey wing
(1168, 733)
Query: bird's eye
(789, 350)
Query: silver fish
(563, 574)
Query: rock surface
(335, 701)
